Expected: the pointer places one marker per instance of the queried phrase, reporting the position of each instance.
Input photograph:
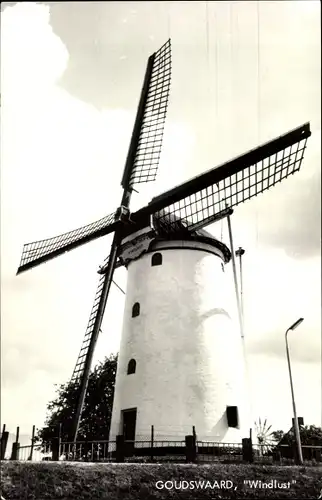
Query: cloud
(62, 162)
(293, 221)
(270, 389)
(278, 290)
(25, 24)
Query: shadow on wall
(219, 430)
(213, 312)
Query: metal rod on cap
(235, 277)
(239, 254)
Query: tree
(97, 411)
(310, 435)
(278, 435)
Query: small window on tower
(156, 259)
(222, 267)
(131, 366)
(232, 416)
(136, 310)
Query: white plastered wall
(187, 347)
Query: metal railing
(212, 451)
(39, 452)
(88, 451)
(286, 454)
(160, 450)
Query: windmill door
(129, 422)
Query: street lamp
(296, 424)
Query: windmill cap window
(156, 259)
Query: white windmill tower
(181, 360)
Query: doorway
(128, 430)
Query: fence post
(195, 437)
(55, 445)
(54, 450)
(4, 442)
(119, 455)
(15, 447)
(15, 451)
(152, 442)
(32, 442)
(318, 455)
(190, 448)
(247, 447)
(276, 455)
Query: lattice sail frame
(37, 252)
(144, 168)
(80, 363)
(148, 152)
(203, 206)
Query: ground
(66, 481)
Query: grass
(65, 481)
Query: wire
(216, 100)
(167, 4)
(232, 104)
(118, 287)
(258, 75)
(207, 34)
(216, 65)
(208, 65)
(258, 98)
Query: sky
(71, 74)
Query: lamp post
(296, 424)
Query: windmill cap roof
(170, 226)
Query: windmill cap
(171, 227)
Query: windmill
(171, 229)
(265, 436)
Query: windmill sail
(145, 148)
(103, 267)
(204, 199)
(41, 251)
(80, 363)
(141, 166)
(83, 365)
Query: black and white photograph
(161, 250)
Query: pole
(296, 423)
(235, 277)
(152, 442)
(32, 442)
(239, 253)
